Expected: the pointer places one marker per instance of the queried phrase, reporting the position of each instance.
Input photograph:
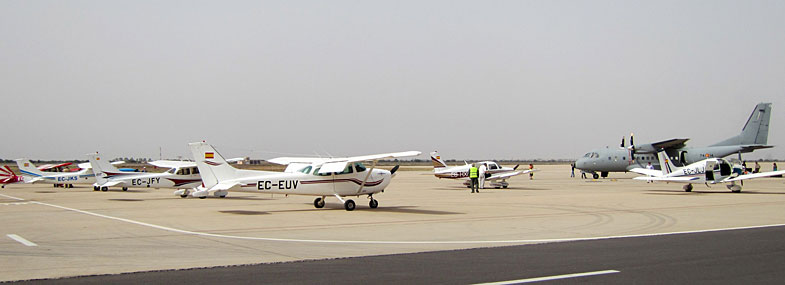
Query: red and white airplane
(490, 171)
(7, 176)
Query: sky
(472, 79)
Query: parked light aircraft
(7, 176)
(495, 174)
(181, 175)
(754, 135)
(707, 171)
(83, 176)
(322, 177)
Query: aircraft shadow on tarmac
(681, 192)
(244, 212)
(487, 189)
(339, 207)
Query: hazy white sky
(472, 79)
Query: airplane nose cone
(580, 163)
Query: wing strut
(366, 177)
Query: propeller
(516, 167)
(622, 141)
(394, 169)
(632, 147)
(7, 175)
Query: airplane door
(725, 169)
(709, 175)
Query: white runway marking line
(550, 278)
(520, 241)
(21, 240)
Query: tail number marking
(280, 184)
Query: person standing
(572, 173)
(650, 167)
(481, 173)
(473, 175)
(757, 168)
(531, 171)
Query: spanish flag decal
(209, 155)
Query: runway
(80, 232)
(725, 257)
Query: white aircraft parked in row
(322, 177)
(488, 171)
(707, 171)
(181, 175)
(84, 175)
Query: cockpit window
(316, 172)
(171, 171)
(493, 166)
(359, 167)
(306, 170)
(347, 170)
(195, 170)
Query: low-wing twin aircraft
(181, 175)
(321, 177)
(496, 175)
(707, 171)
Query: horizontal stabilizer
(227, 185)
(645, 171)
(668, 179)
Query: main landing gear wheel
(104, 189)
(688, 188)
(595, 176)
(95, 188)
(125, 188)
(318, 203)
(349, 205)
(203, 197)
(505, 186)
(373, 204)
(183, 195)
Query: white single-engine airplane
(337, 177)
(181, 175)
(495, 174)
(707, 171)
(85, 174)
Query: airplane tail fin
(755, 131)
(437, 160)
(28, 168)
(212, 166)
(665, 163)
(101, 167)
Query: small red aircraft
(7, 176)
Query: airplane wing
(51, 166)
(668, 179)
(172, 163)
(301, 160)
(86, 165)
(645, 171)
(671, 143)
(504, 175)
(755, 175)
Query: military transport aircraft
(321, 177)
(494, 173)
(83, 175)
(754, 135)
(181, 175)
(707, 171)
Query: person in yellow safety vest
(474, 174)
